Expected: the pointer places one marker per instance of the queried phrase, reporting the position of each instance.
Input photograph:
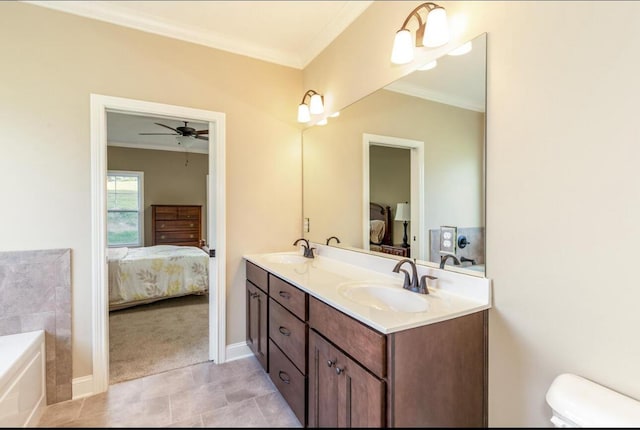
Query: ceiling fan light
(436, 32)
(402, 52)
(303, 113)
(315, 104)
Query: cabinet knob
(330, 363)
(284, 331)
(191, 236)
(190, 225)
(162, 237)
(161, 225)
(284, 377)
(339, 371)
(284, 295)
(254, 295)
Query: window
(125, 208)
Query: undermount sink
(384, 297)
(286, 258)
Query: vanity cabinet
(257, 312)
(335, 371)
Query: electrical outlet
(305, 225)
(448, 239)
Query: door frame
(216, 223)
(416, 148)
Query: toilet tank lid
(588, 404)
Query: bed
(144, 275)
(381, 227)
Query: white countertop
(451, 295)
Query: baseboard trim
(239, 350)
(82, 387)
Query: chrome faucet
(445, 257)
(308, 251)
(410, 281)
(333, 237)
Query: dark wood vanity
(335, 371)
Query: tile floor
(234, 394)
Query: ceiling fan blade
(199, 132)
(202, 137)
(166, 126)
(159, 134)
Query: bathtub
(22, 379)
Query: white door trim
(416, 147)
(100, 104)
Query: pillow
(376, 231)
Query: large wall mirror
(402, 171)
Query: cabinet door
(323, 384)
(257, 323)
(341, 392)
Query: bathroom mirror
(419, 140)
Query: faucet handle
(423, 289)
(407, 280)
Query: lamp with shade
(403, 213)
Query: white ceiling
(290, 33)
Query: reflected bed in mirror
(419, 140)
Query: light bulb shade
(403, 212)
(465, 48)
(303, 113)
(402, 48)
(436, 31)
(430, 65)
(323, 121)
(315, 104)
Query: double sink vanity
(347, 346)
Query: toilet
(579, 402)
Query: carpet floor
(165, 335)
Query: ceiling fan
(181, 131)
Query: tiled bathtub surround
(35, 293)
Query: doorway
(215, 225)
(416, 192)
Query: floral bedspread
(161, 271)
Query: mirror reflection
(401, 171)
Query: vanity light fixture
(432, 32)
(323, 121)
(315, 106)
(428, 66)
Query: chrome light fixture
(315, 106)
(432, 32)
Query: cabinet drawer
(364, 344)
(258, 276)
(173, 225)
(289, 296)
(188, 213)
(289, 381)
(177, 236)
(164, 213)
(289, 333)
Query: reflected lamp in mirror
(403, 213)
(315, 106)
(432, 32)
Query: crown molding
(436, 96)
(115, 14)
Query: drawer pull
(162, 237)
(284, 331)
(331, 363)
(191, 225)
(284, 377)
(162, 226)
(254, 295)
(191, 236)
(284, 294)
(339, 371)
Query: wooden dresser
(396, 250)
(176, 225)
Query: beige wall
(453, 163)
(563, 201)
(390, 181)
(54, 61)
(167, 180)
